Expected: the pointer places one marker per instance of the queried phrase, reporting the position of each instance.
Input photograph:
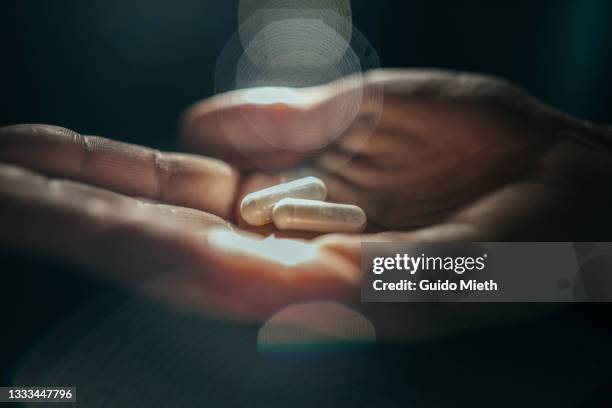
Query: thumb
(271, 127)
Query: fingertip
(259, 121)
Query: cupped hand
(452, 157)
(154, 221)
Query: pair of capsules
(298, 205)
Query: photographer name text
(411, 265)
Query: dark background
(127, 69)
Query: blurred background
(127, 69)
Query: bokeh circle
(255, 15)
(295, 64)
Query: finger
(172, 178)
(163, 250)
(238, 125)
(235, 122)
(415, 192)
(35, 209)
(387, 148)
(417, 102)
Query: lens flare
(271, 95)
(255, 16)
(290, 59)
(315, 326)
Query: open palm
(452, 157)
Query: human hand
(151, 220)
(455, 157)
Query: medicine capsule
(317, 216)
(256, 208)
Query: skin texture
(453, 157)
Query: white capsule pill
(256, 208)
(317, 216)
